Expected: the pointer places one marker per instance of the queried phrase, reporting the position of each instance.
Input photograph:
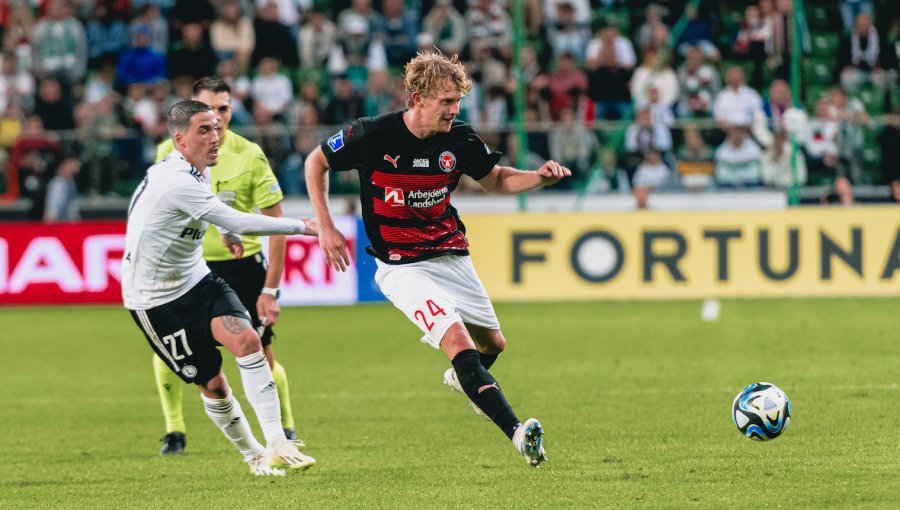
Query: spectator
(496, 108)
(54, 106)
(851, 9)
(568, 34)
(446, 26)
(272, 93)
(699, 84)
(851, 117)
(660, 112)
(654, 72)
(288, 10)
(489, 26)
(755, 32)
(356, 51)
(317, 36)
(781, 44)
(378, 94)
(16, 84)
(695, 160)
(697, 32)
(778, 163)
(100, 129)
(779, 116)
(572, 145)
(401, 30)
(653, 35)
(823, 161)
(889, 140)
(61, 201)
(361, 19)
(737, 104)
(566, 77)
(185, 12)
(650, 175)
(738, 159)
(31, 157)
(860, 56)
(240, 91)
(231, 34)
(644, 135)
(59, 47)
(107, 36)
(18, 34)
(346, 104)
(610, 59)
(142, 63)
(273, 39)
(192, 57)
(150, 22)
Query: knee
(497, 343)
(248, 342)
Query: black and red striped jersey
(405, 184)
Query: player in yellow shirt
(242, 179)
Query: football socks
(482, 389)
(487, 360)
(171, 394)
(227, 414)
(262, 393)
(284, 396)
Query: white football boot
(452, 381)
(259, 466)
(528, 439)
(283, 454)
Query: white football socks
(261, 392)
(227, 414)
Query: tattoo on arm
(234, 324)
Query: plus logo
(394, 197)
(393, 160)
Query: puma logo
(488, 386)
(393, 160)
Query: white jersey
(167, 219)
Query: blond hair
(430, 70)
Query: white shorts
(436, 293)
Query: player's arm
(266, 304)
(506, 180)
(331, 241)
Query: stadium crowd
(632, 95)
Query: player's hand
(234, 244)
(334, 248)
(552, 172)
(267, 309)
(312, 227)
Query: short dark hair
(212, 84)
(179, 117)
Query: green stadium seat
(813, 94)
(821, 18)
(872, 98)
(825, 44)
(817, 71)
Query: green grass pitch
(634, 396)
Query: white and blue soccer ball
(761, 411)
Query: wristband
(302, 227)
(276, 293)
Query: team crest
(336, 142)
(447, 161)
(394, 197)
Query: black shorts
(247, 277)
(179, 331)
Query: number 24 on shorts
(433, 309)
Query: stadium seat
(818, 71)
(813, 94)
(872, 98)
(825, 44)
(821, 18)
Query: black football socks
(482, 389)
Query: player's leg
(490, 343)
(171, 396)
(238, 336)
(225, 411)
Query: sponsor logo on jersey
(394, 197)
(189, 371)
(394, 257)
(393, 160)
(336, 142)
(192, 233)
(447, 161)
(420, 163)
(423, 199)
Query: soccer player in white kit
(184, 311)
(409, 162)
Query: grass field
(634, 398)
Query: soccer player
(242, 179)
(409, 162)
(182, 308)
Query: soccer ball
(761, 411)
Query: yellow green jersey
(242, 179)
